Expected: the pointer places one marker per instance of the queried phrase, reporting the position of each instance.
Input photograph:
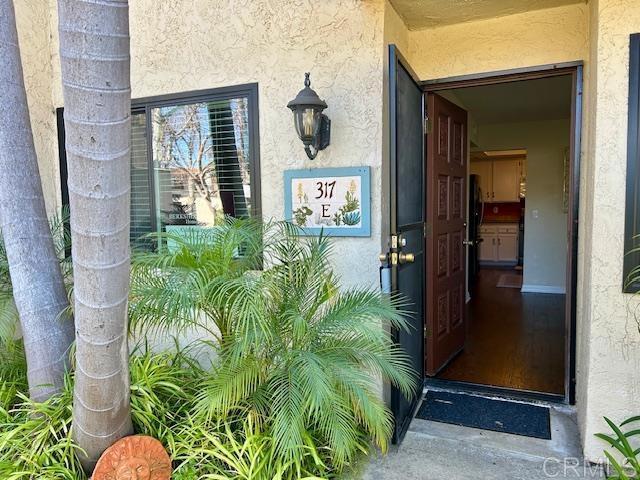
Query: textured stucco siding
(609, 354)
(180, 46)
(527, 39)
(34, 29)
(395, 31)
(419, 14)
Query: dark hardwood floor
(514, 340)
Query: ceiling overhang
(419, 14)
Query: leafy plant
(242, 450)
(35, 439)
(170, 288)
(349, 213)
(13, 373)
(36, 442)
(622, 442)
(295, 351)
(293, 387)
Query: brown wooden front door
(446, 206)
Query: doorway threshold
(501, 392)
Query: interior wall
(545, 227)
(533, 38)
(609, 346)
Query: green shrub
(623, 442)
(293, 387)
(35, 438)
(13, 373)
(36, 442)
(242, 450)
(294, 350)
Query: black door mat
(486, 413)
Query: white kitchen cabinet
(507, 248)
(499, 179)
(499, 243)
(488, 248)
(485, 171)
(506, 181)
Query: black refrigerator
(473, 231)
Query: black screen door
(407, 197)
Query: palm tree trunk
(38, 287)
(95, 60)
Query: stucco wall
(33, 24)
(395, 31)
(180, 45)
(527, 39)
(608, 382)
(545, 237)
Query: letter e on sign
(325, 210)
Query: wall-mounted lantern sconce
(313, 127)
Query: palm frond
(296, 351)
(233, 382)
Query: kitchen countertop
(500, 220)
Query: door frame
(575, 69)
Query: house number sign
(336, 201)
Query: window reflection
(201, 163)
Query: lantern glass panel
(307, 122)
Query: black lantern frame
(312, 126)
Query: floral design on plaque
(327, 202)
(331, 201)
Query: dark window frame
(145, 104)
(632, 203)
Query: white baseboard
(543, 289)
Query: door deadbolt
(406, 257)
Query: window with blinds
(141, 224)
(200, 155)
(194, 161)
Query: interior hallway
(514, 340)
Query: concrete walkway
(438, 451)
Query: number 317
(325, 189)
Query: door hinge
(426, 229)
(426, 331)
(426, 127)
